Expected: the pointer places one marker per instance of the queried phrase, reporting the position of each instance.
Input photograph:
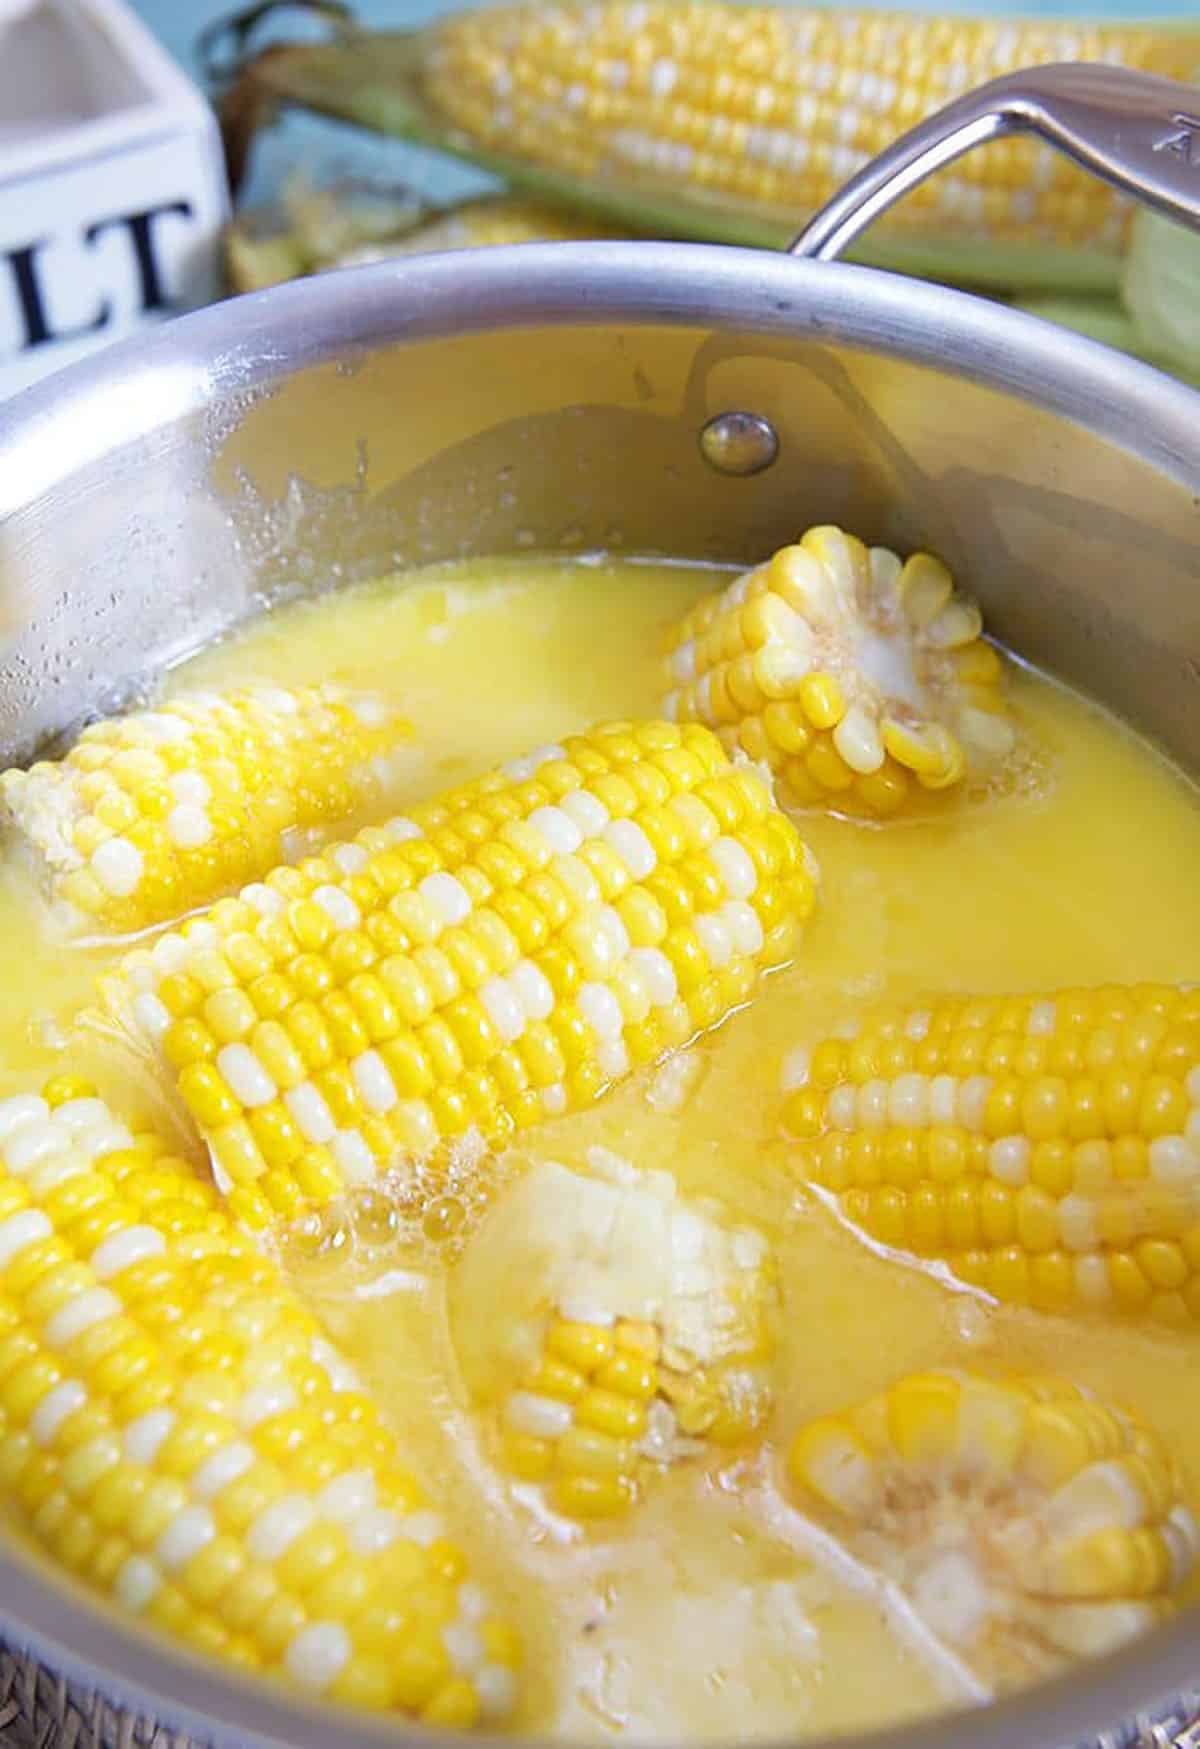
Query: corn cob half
(1046, 1148)
(176, 1432)
(774, 107)
(636, 1330)
(502, 954)
(153, 814)
(1024, 1519)
(862, 681)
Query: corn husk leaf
(374, 80)
(1160, 288)
(1108, 321)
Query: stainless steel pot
(580, 396)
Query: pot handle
(1137, 131)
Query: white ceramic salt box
(112, 184)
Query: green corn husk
(1160, 288)
(1108, 320)
(379, 81)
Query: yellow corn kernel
(591, 1496)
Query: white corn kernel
(120, 1251)
(222, 1469)
(600, 1008)
(318, 1655)
(354, 1156)
(310, 1113)
(1008, 1159)
(447, 896)
(373, 1081)
(144, 1438)
(188, 826)
(57, 1406)
(735, 867)
(277, 1526)
(19, 1231)
(190, 1531)
(82, 1313)
(137, 1584)
(558, 829)
(532, 989)
(542, 1417)
(633, 847)
(118, 866)
(348, 1495)
(247, 1080)
(339, 907)
(503, 1008)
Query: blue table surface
(324, 149)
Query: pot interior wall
(581, 437)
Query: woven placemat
(39, 1710)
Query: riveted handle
(1139, 132)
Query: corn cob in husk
(734, 123)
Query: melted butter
(715, 1611)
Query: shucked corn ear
(176, 1432)
(774, 107)
(636, 1329)
(486, 223)
(502, 954)
(1046, 1148)
(1023, 1518)
(860, 680)
(153, 814)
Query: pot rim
(246, 345)
(138, 386)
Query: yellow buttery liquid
(714, 1610)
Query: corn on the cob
(1046, 1148)
(256, 256)
(1023, 1518)
(775, 107)
(175, 1430)
(502, 954)
(151, 815)
(860, 681)
(482, 224)
(637, 1329)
